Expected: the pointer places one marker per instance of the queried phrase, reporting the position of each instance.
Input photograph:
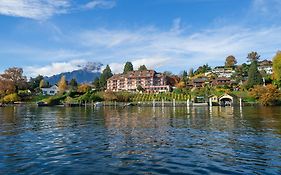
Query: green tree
(142, 67)
(73, 84)
(128, 67)
(96, 84)
(184, 77)
(253, 56)
(254, 76)
(34, 83)
(277, 68)
(230, 61)
(203, 69)
(241, 73)
(106, 74)
(62, 85)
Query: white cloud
(100, 3)
(267, 8)
(55, 68)
(164, 50)
(35, 9)
(150, 63)
(44, 9)
(180, 50)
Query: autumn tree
(62, 85)
(44, 84)
(83, 88)
(15, 75)
(142, 67)
(128, 67)
(253, 56)
(6, 87)
(266, 95)
(230, 61)
(277, 68)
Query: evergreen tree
(254, 76)
(106, 74)
(96, 84)
(142, 67)
(128, 67)
(34, 83)
(184, 77)
(62, 85)
(73, 84)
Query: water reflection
(134, 140)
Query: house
(266, 66)
(200, 82)
(221, 81)
(222, 71)
(53, 90)
(148, 80)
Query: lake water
(201, 140)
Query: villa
(266, 66)
(222, 71)
(50, 91)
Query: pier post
(174, 102)
(210, 102)
(153, 103)
(240, 101)
(163, 103)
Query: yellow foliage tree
(180, 85)
(62, 85)
(83, 88)
(266, 95)
(277, 67)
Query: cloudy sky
(51, 36)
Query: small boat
(98, 104)
(129, 104)
(41, 103)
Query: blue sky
(51, 36)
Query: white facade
(223, 72)
(50, 91)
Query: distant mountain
(87, 74)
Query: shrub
(95, 98)
(11, 98)
(55, 100)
